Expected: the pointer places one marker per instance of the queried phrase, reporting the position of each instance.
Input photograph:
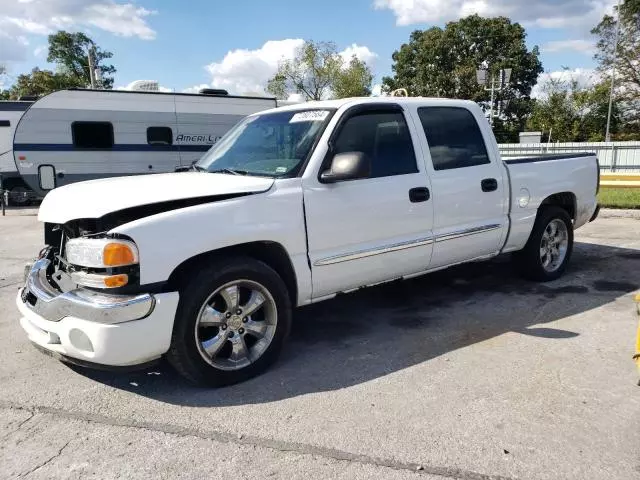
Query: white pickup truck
(293, 206)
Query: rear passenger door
(469, 191)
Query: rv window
(5, 123)
(92, 134)
(159, 136)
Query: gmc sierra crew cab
(293, 206)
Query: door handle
(419, 194)
(489, 185)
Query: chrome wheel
(236, 325)
(554, 245)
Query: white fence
(613, 157)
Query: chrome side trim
(373, 251)
(52, 305)
(468, 231)
(403, 245)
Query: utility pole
(496, 85)
(607, 136)
(92, 71)
(493, 96)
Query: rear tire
(233, 318)
(547, 253)
(19, 196)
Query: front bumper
(111, 330)
(41, 297)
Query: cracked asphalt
(471, 373)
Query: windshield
(273, 144)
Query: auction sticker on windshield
(309, 116)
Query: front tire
(547, 253)
(232, 320)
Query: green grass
(619, 197)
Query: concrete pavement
(470, 373)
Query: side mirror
(347, 166)
(47, 177)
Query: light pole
(495, 85)
(607, 135)
(95, 75)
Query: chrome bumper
(39, 296)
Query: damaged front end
(82, 253)
(82, 302)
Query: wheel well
(565, 200)
(271, 253)
(12, 182)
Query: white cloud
(362, 53)
(585, 77)
(243, 70)
(42, 17)
(246, 71)
(544, 13)
(125, 20)
(39, 50)
(581, 46)
(12, 48)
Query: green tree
(573, 113)
(41, 82)
(4, 94)
(442, 62)
(625, 63)
(353, 80)
(71, 52)
(317, 71)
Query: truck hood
(96, 198)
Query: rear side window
(384, 137)
(159, 136)
(92, 134)
(5, 123)
(454, 137)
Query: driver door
(366, 231)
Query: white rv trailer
(74, 135)
(10, 114)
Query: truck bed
(573, 176)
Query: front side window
(454, 137)
(384, 137)
(272, 144)
(97, 135)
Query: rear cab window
(454, 137)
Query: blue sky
(236, 45)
